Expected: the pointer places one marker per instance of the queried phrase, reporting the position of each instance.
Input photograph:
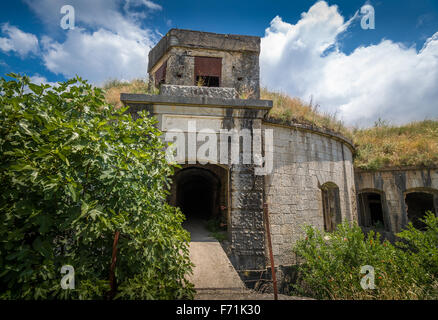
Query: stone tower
(211, 81)
(209, 84)
(193, 58)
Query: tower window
(207, 81)
(208, 71)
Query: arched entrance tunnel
(197, 193)
(201, 192)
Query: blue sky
(359, 76)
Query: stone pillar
(247, 231)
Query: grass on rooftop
(292, 109)
(384, 145)
(114, 88)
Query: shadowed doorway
(197, 193)
(418, 203)
(201, 192)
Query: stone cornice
(201, 101)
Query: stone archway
(418, 201)
(372, 209)
(198, 193)
(202, 192)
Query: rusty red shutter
(208, 67)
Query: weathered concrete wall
(245, 211)
(305, 159)
(393, 185)
(202, 40)
(239, 54)
(240, 70)
(303, 162)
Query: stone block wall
(393, 184)
(240, 70)
(193, 91)
(303, 162)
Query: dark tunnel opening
(197, 193)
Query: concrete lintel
(201, 101)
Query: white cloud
(149, 4)
(97, 56)
(107, 42)
(38, 79)
(385, 80)
(18, 41)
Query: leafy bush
(73, 172)
(332, 263)
(217, 229)
(423, 245)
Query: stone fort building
(213, 80)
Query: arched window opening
(418, 203)
(331, 206)
(371, 210)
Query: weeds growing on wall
(289, 109)
(384, 145)
(217, 229)
(331, 263)
(113, 89)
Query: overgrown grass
(217, 229)
(413, 144)
(384, 145)
(113, 89)
(292, 109)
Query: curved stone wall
(305, 161)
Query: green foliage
(332, 263)
(219, 235)
(423, 245)
(213, 225)
(73, 172)
(217, 229)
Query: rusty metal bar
(271, 256)
(112, 277)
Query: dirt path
(213, 269)
(214, 276)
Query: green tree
(331, 263)
(74, 171)
(422, 245)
